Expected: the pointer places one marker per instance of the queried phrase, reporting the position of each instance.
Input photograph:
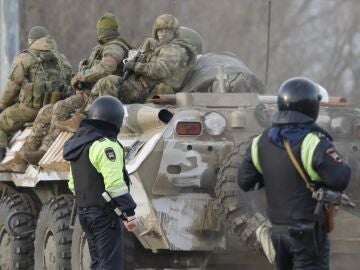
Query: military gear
(39, 75)
(107, 109)
(168, 63)
(92, 70)
(37, 32)
(301, 95)
(129, 65)
(2, 153)
(193, 37)
(128, 91)
(71, 124)
(62, 111)
(105, 59)
(13, 118)
(166, 21)
(107, 26)
(282, 207)
(239, 78)
(35, 73)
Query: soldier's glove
(74, 81)
(130, 224)
(130, 64)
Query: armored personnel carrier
(182, 153)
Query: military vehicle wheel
(237, 210)
(17, 226)
(53, 235)
(80, 255)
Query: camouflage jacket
(99, 65)
(169, 63)
(33, 69)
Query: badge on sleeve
(334, 155)
(110, 154)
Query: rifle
(323, 196)
(83, 85)
(134, 55)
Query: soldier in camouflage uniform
(166, 65)
(106, 58)
(39, 75)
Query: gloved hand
(130, 224)
(130, 64)
(74, 81)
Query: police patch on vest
(334, 155)
(109, 152)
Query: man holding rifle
(301, 182)
(167, 61)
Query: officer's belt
(279, 228)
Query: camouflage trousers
(44, 130)
(128, 91)
(13, 118)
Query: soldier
(39, 75)
(306, 160)
(165, 65)
(106, 58)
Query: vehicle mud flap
(80, 255)
(53, 235)
(18, 215)
(240, 213)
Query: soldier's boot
(32, 157)
(71, 124)
(2, 153)
(15, 164)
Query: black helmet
(107, 109)
(299, 94)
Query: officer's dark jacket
(89, 182)
(288, 199)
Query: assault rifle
(134, 55)
(83, 85)
(323, 196)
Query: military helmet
(166, 21)
(192, 36)
(37, 32)
(106, 26)
(299, 94)
(107, 109)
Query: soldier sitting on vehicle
(106, 58)
(39, 75)
(166, 63)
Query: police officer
(97, 165)
(299, 236)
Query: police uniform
(97, 165)
(299, 236)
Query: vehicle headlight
(214, 123)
